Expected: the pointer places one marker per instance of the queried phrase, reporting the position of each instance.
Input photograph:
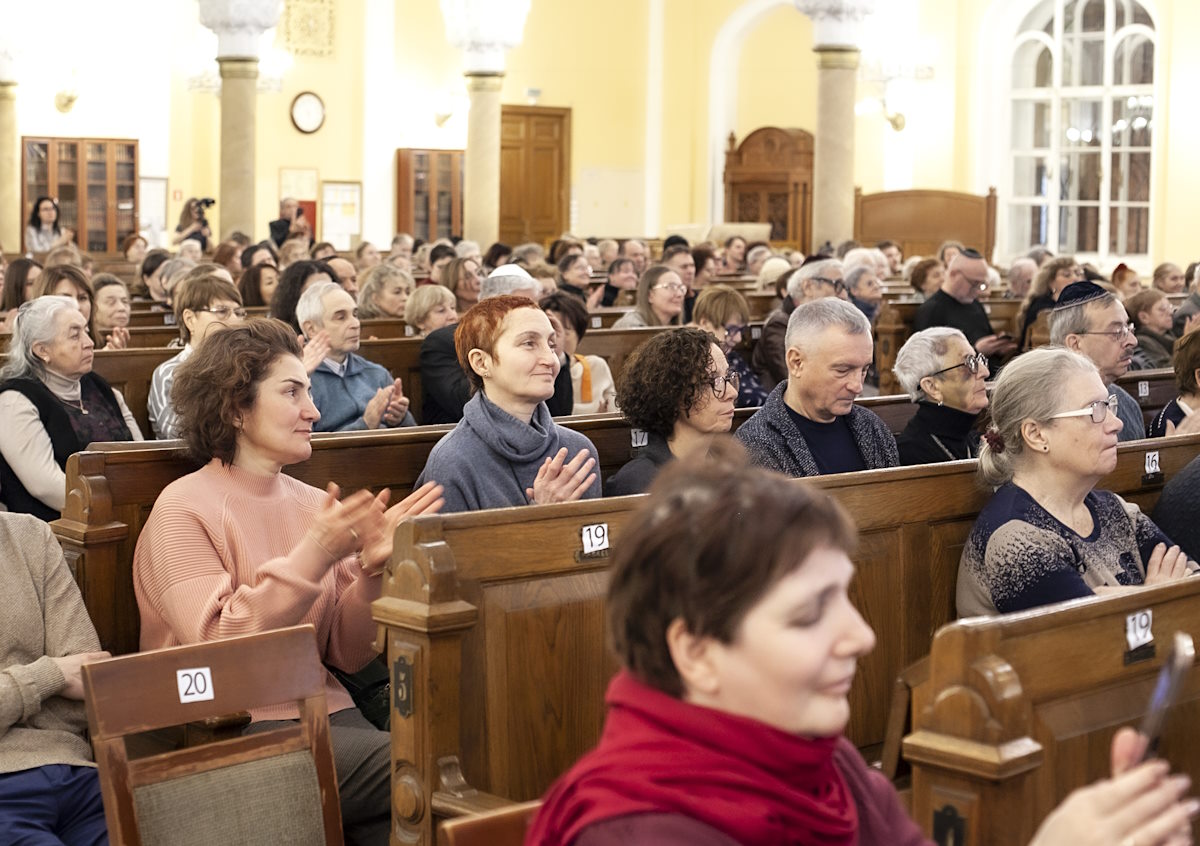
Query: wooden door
(535, 173)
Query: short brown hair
(1187, 362)
(710, 541)
(718, 304)
(479, 329)
(196, 293)
(220, 381)
(1143, 301)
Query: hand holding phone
(1170, 679)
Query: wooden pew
(495, 624)
(1019, 710)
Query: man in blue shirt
(350, 392)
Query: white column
(836, 35)
(485, 30)
(239, 24)
(11, 213)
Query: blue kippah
(1078, 293)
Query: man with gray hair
(351, 393)
(814, 279)
(1020, 277)
(635, 250)
(444, 385)
(1092, 322)
(468, 249)
(810, 424)
(756, 258)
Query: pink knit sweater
(212, 562)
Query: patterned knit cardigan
(774, 442)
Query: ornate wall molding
(485, 30)
(307, 27)
(837, 23)
(239, 24)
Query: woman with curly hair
(679, 389)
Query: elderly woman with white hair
(1047, 535)
(865, 289)
(52, 405)
(945, 377)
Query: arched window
(1082, 129)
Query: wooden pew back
(496, 619)
(1019, 710)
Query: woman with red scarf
(729, 609)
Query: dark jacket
(1157, 348)
(769, 360)
(774, 442)
(445, 389)
(938, 424)
(1190, 306)
(1175, 512)
(635, 475)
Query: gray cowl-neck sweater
(491, 457)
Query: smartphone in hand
(1170, 679)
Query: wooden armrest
(448, 805)
(897, 722)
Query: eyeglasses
(736, 328)
(673, 286)
(720, 383)
(838, 285)
(972, 362)
(223, 312)
(1097, 410)
(1117, 335)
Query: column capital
(837, 23)
(238, 68)
(239, 24)
(485, 30)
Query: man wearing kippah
(1091, 321)
(956, 304)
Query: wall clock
(308, 112)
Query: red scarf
(659, 754)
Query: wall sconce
(64, 101)
(440, 118)
(873, 105)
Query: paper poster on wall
(341, 213)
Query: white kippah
(510, 270)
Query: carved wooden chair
(274, 787)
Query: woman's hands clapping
(559, 480)
(426, 499)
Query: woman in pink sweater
(239, 547)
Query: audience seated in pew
(947, 379)
(810, 424)
(444, 382)
(725, 721)
(1052, 277)
(1179, 417)
(679, 389)
(723, 312)
(507, 450)
(1090, 321)
(926, 277)
(462, 276)
(591, 378)
(257, 285)
(1152, 315)
(205, 304)
(816, 278)
(428, 308)
(239, 547)
(110, 320)
(864, 289)
(66, 280)
(52, 405)
(1176, 510)
(678, 257)
(622, 280)
(298, 276)
(345, 274)
(574, 275)
(1185, 315)
(1047, 535)
(660, 296)
(350, 392)
(385, 291)
(49, 791)
(19, 278)
(956, 304)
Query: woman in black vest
(52, 405)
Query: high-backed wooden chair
(272, 787)
(505, 827)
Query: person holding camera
(193, 224)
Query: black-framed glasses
(736, 328)
(973, 363)
(225, 312)
(1097, 410)
(839, 287)
(720, 384)
(1117, 335)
